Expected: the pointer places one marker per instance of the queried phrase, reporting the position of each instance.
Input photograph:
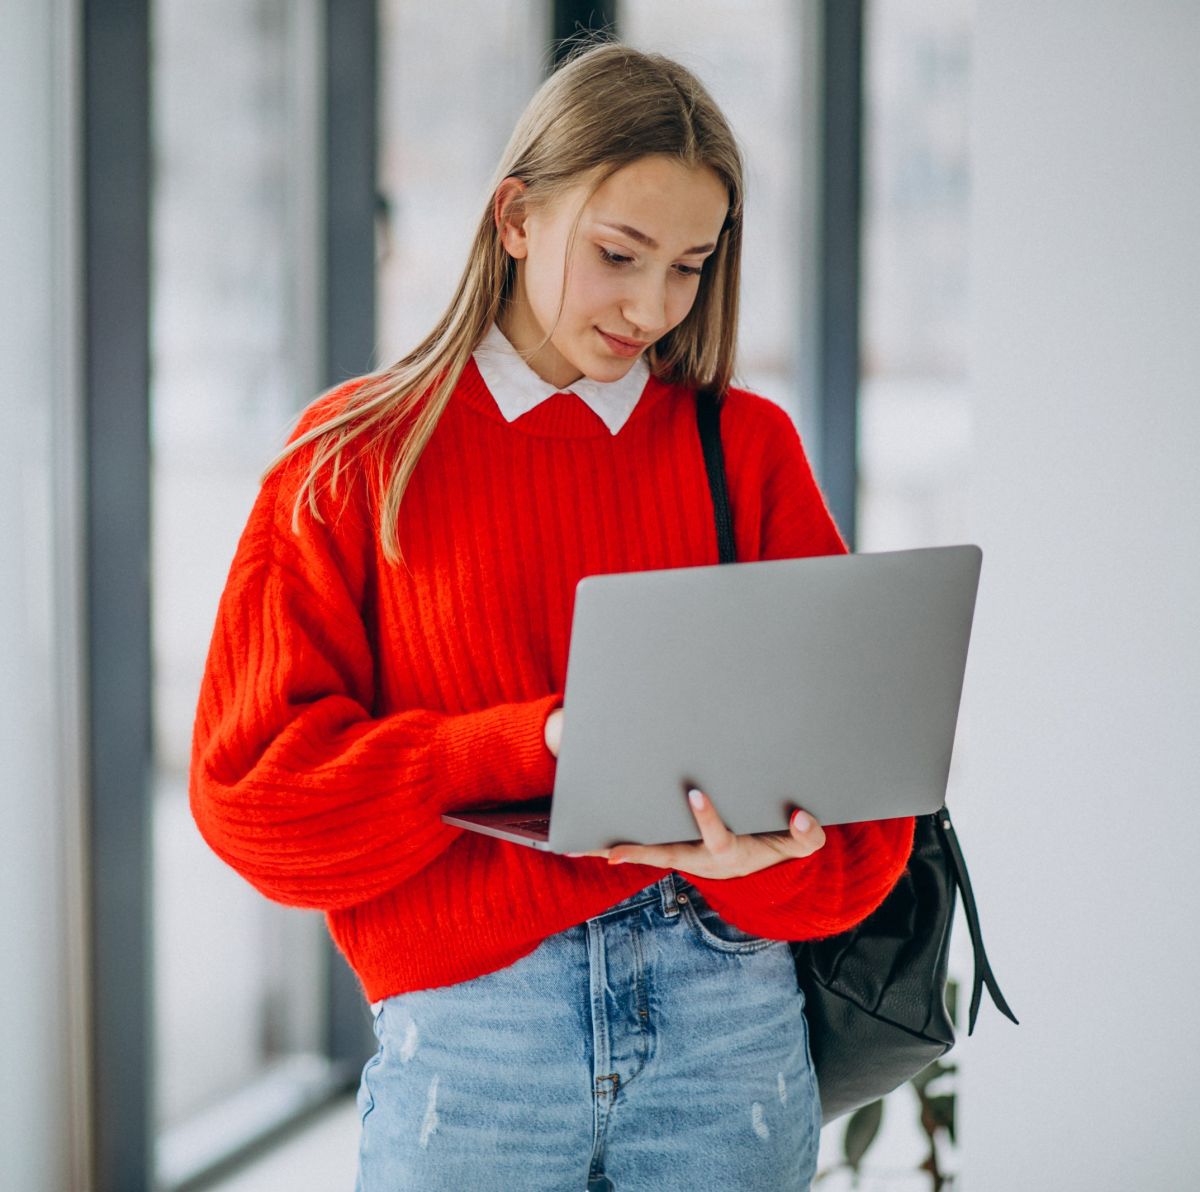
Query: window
(914, 414)
(239, 983)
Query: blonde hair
(605, 107)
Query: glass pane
(441, 135)
(914, 413)
(238, 981)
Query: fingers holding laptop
(721, 853)
(553, 730)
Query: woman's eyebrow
(649, 242)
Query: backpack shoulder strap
(708, 417)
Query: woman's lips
(622, 347)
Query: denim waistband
(664, 891)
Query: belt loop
(666, 887)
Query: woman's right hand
(554, 730)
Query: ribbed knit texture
(347, 703)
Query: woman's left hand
(721, 853)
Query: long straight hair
(606, 106)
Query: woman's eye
(614, 258)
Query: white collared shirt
(517, 388)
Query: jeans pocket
(718, 933)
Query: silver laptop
(828, 683)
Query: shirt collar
(517, 388)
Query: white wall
(42, 1119)
(1082, 824)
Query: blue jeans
(654, 1047)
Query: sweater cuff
(769, 902)
(822, 894)
(777, 885)
(497, 754)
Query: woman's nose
(645, 305)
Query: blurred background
(972, 277)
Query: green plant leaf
(952, 1001)
(929, 1073)
(941, 1110)
(921, 1079)
(861, 1130)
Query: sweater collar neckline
(517, 389)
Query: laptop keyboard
(539, 823)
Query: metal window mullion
(840, 239)
(115, 123)
(350, 189)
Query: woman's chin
(604, 367)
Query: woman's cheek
(600, 288)
(680, 301)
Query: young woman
(392, 643)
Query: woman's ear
(509, 211)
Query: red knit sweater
(347, 703)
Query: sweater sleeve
(293, 782)
(846, 879)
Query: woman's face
(632, 275)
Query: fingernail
(801, 822)
(696, 798)
(616, 860)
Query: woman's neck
(519, 328)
